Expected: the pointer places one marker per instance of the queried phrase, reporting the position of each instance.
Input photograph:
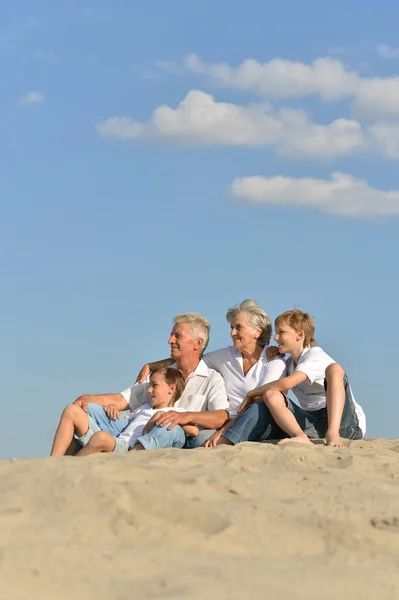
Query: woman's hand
(246, 402)
(144, 373)
(112, 412)
(213, 440)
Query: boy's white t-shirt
(138, 419)
(310, 393)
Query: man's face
(181, 343)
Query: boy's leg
(335, 400)
(73, 418)
(276, 403)
(99, 442)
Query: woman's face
(244, 336)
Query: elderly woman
(244, 365)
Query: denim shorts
(120, 444)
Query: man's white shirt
(204, 390)
(229, 363)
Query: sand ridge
(256, 520)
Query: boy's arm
(280, 385)
(190, 430)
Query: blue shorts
(120, 445)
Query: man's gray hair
(199, 327)
(256, 318)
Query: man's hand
(112, 412)
(82, 402)
(171, 416)
(213, 440)
(144, 373)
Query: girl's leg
(72, 418)
(284, 418)
(99, 442)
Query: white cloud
(31, 98)
(200, 120)
(342, 195)
(324, 77)
(385, 139)
(280, 78)
(388, 51)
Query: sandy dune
(255, 521)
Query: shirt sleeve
(217, 396)
(314, 365)
(275, 369)
(136, 395)
(217, 358)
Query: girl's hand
(112, 412)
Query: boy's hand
(272, 353)
(112, 412)
(144, 373)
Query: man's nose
(172, 339)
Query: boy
(327, 407)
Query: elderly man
(204, 397)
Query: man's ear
(198, 343)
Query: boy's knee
(270, 397)
(335, 370)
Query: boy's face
(288, 340)
(160, 392)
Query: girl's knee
(71, 410)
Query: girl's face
(161, 393)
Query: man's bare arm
(149, 367)
(212, 419)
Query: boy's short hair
(299, 320)
(172, 376)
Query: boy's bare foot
(299, 439)
(334, 440)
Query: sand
(254, 521)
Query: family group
(235, 394)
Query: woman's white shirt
(229, 363)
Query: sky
(168, 157)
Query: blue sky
(114, 217)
